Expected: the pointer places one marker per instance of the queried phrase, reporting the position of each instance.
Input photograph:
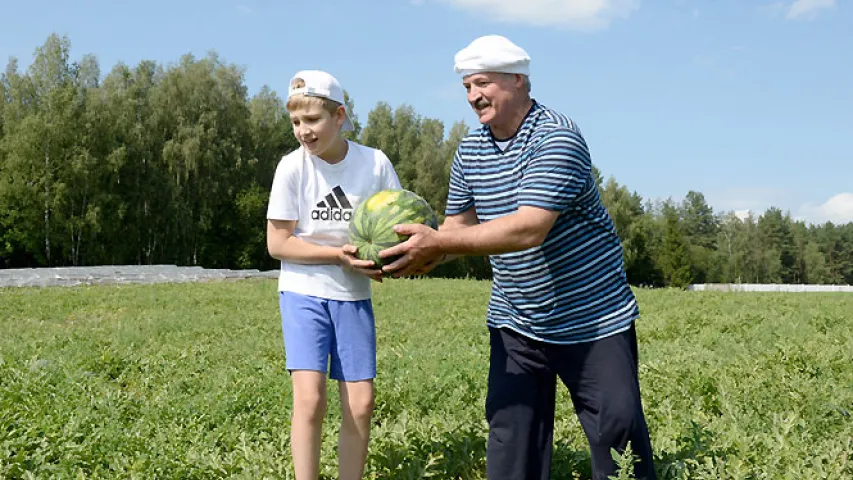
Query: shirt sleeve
(389, 179)
(284, 195)
(557, 172)
(459, 195)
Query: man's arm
(468, 218)
(556, 174)
(528, 227)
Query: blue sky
(748, 102)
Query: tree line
(155, 164)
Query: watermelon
(371, 228)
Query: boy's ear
(340, 115)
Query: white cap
(318, 83)
(491, 53)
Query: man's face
(490, 94)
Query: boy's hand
(348, 259)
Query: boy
(324, 290)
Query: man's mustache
(481, 103)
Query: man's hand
(418, 255)
(348, 260)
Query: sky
(749, 102)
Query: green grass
(186, 381)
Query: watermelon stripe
(371, 228)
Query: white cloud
(807, 9)
(744, 199)
(245, 10)
(744, 214)
(838, 210)
(585, 15)
(755, 200)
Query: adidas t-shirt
(321, 197)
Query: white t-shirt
(321, 197)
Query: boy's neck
(336, 152)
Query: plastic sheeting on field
(768, 287)
(117, 274)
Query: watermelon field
(186, 381)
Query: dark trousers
(602, 380)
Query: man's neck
(508, 128)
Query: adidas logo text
(329, 214)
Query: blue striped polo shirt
(573, 287)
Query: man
(522, 192)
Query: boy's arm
(283, 245)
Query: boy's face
(315, 128)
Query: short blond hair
(300, 100)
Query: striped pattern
(573, 287)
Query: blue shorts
(316, 329)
